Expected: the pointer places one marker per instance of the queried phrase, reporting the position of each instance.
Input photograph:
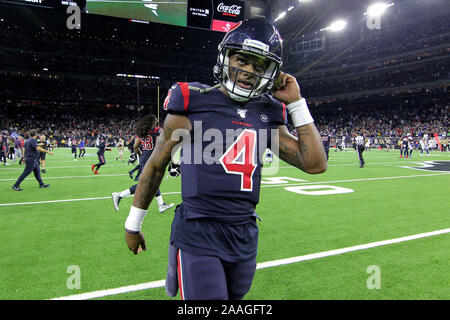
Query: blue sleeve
(279, 113)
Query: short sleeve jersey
(148, 144)
(221, 165)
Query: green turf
(168, 13)
(39, 242)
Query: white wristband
(299, 113)
(135, 218)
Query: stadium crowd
(389, 119)
(64, 83)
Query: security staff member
(360, 148)
(31, 161)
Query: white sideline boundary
(263, 265)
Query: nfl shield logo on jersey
(242, 112)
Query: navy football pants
(207, 277)
(31, 165)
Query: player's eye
(260, 68)
(242, 61)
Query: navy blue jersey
(405, 142)
(226, 182)
(30, 148)
(148, 144)
(325, 140)
(101, 148)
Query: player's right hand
(135, 242)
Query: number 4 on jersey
(240, 158)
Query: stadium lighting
(377, 9)
(139, 76)
(336, 26)
(281, 16)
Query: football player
(325, 136)
(43, 144)
(134, 155)
(4, 148)
(147, 135)
(404, 147)
(410, 146)
(120, 148)
(424, 145)
(214, 236)
(102, 146)
(73, 144)
(82, 147)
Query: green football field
(168, 12)
(378, 232)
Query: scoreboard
(51, 4)
(217, 15)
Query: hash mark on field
(263, 265)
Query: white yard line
(87, 166)
(67, 200)
(262, 186)
(72, 177)
(263, 265)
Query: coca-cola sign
(217, 15)
(231, 9)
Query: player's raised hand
(286, 88)
(135, 242)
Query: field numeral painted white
(278, 180)
(318, 190)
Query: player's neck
(225, 92)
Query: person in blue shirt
(31, 157)
(82, 147)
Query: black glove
(174, 170)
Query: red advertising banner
(223, 26)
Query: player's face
(250, 67)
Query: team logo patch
(439, 166)
(242, 112)
(264, 118)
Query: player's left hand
(135, 242)
(286, 88)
